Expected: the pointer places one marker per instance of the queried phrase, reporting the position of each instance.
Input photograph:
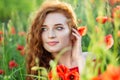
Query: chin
(53, 50)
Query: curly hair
(34, 45)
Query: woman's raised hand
(76, 45)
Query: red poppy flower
(1, 71)
(112, 73)
(12, 64)
(64, 73)
(112, 2)
(82, 30)
(50, 75)
(12, 30)
(97, 78)
(103, 19)
(20, 47)
(62, 70)
(109, 41)
(116, 12)
(72, 75)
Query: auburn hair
(36, 54)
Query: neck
(65, 57)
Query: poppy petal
(109, 41)
(82, 30)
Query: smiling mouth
(53, 43)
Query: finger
(76, 36)
(75, 31)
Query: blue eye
(59, 28)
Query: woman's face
(55, 33)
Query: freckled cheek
(64, 37)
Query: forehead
(54, 18)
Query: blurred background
(15, 20)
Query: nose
(51, 34)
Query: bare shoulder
(84, 54)
(88, 55)
(83, 58)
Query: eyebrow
(54, 25)
(44, 25)
(58, 24)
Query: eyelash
(59, 28)
(43, 29)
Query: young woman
(53, 30)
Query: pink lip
(52, 43)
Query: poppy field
(98, 24)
